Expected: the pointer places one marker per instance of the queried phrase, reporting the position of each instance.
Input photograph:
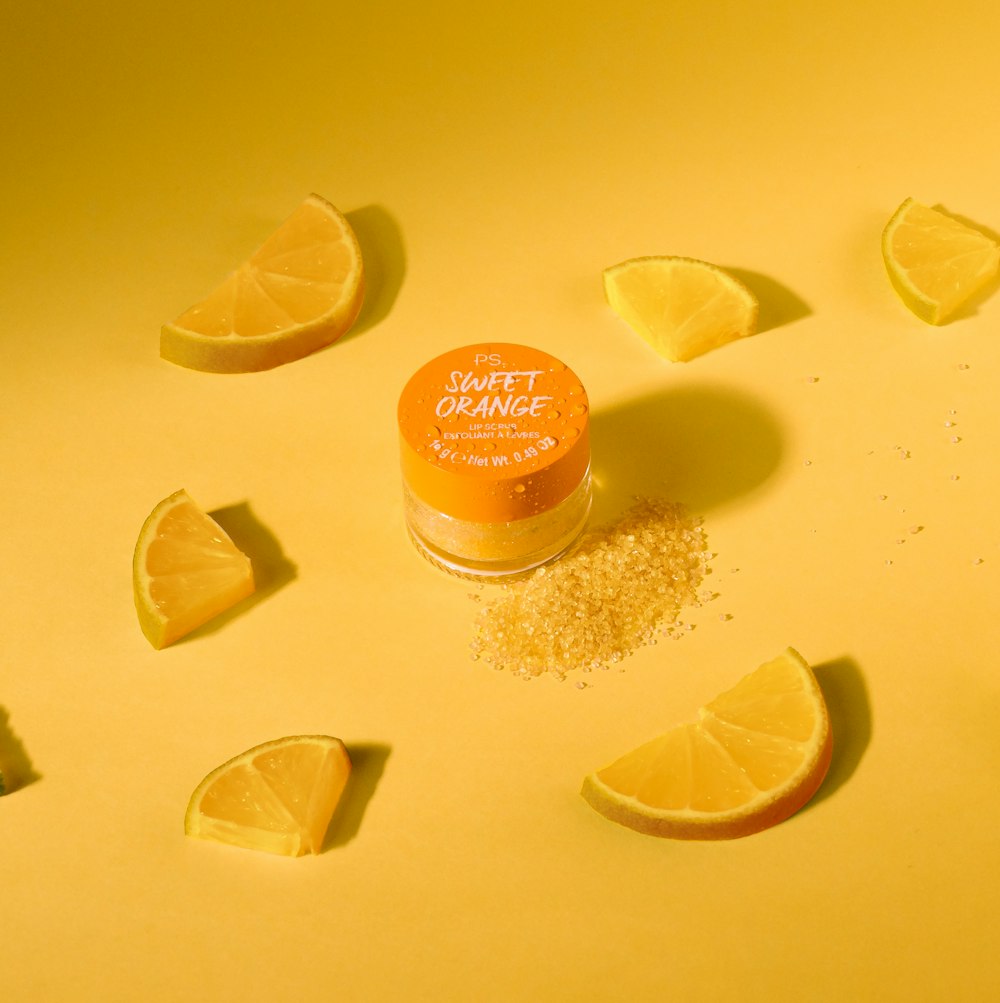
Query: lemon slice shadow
(777, 305)
(16, 770)
(384, 255)
(368, 761)
(272, 570)
(849, 708)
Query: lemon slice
(756, 755)
(278, 797)
(936, 263)
(681, 306)
(185, 570)
(300, 290)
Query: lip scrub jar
(495, 457)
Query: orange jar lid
(494, 432)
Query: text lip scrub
(495, 457)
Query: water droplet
(489, 446)
(578, 409)
(519, 488)
(432, 432)
(552, 415)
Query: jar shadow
(701, 445)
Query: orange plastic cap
(494, 432)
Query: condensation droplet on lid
(432, 432)
(489, 446)
(519, 488)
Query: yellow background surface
(493, 160)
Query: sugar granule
(623, 584)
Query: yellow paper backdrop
(493, 159)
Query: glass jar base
(493, 571)
(497, 551)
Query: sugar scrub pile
(624, 584)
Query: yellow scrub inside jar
(495, 457)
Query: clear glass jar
(495, 456)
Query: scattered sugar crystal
(623, 584)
